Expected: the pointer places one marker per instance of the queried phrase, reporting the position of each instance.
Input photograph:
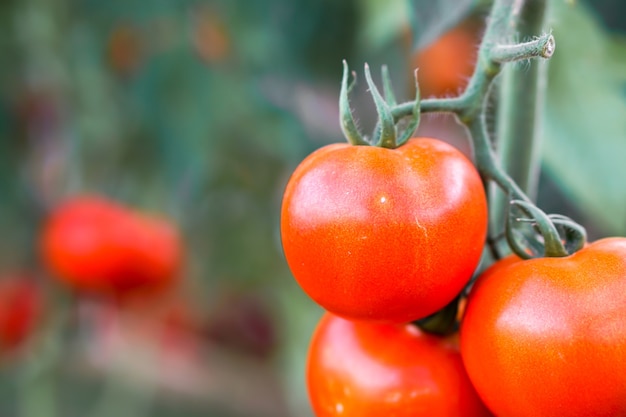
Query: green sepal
(390, 97)
(387, 136)
(574, 234)
(346, 119)
(552, 244)
(414, 120)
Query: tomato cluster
(381, 238)
(369, 234)
(98, 246)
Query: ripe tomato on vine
(553, 333)
(381, 236)
(369, 232)
(366, 369)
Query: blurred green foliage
(585, 129)
(201, 110)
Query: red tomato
(445, 66)
(547, 336)
(99, 246)
(365, 369)
(384, 234)
(20, 309)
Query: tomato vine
(366, 268)
(552, 235)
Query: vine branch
(470, 110)
(542, 47)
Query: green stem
(520, 109)
(432, 105)
(474, 99)
(486, 160)
(542, 47)
(553, 246)
(521, 115)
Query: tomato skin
(547, 336)
(371, 369)
(99, 246)
(384, 234)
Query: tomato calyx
(386, 134)
(550, 235)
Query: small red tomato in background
(547, 336)
(21, 302)
(366, 369)
(445, 66)
(99, 246)
(384, 234)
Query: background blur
(200, 110)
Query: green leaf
(585, 127)
(431, 19)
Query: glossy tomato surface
(362, 369)
(98, 245)
(384, 234)
(547, 336)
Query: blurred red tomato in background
(99, 246)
